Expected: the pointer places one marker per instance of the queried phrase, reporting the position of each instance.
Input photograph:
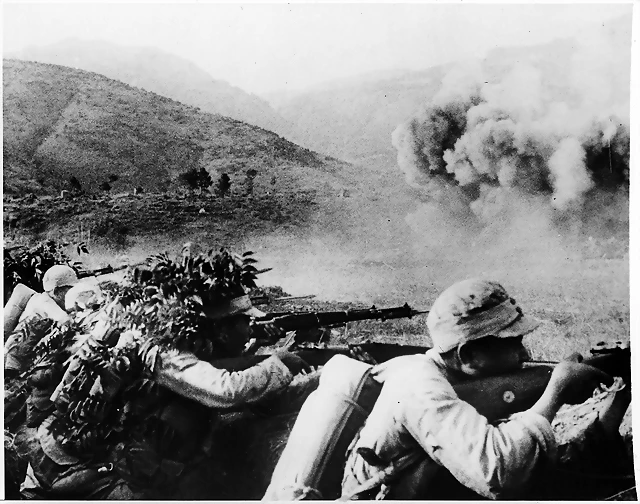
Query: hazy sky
(266, 47)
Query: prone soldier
(419, 424)
(174, 424)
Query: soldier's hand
(575, 382)
(267, 331)
(295, 363)
(273, 331)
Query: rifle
(106, 270)
(264, 299)
(500, 396)
(298, 321)
(494, 397)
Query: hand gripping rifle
(301, 321)
(500, 396)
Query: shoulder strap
(386, 474)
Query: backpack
(15, 306)
(312, 463)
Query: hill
(162, 73)
(61, 123)
(354, 119)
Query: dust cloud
(515, 172)
(519, 168)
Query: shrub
(27, 265)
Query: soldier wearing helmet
(25, 304)
(477, 330)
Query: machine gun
(304, 321)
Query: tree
(190, 177)
(204, 180)
(75, 184)
(197, 179)
(224, 184)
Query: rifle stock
(500, 396)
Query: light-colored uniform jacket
(185, 374)
(418, 409)
(188, 376)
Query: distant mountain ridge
(162, 73)
(353, 119)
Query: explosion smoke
(538, 134)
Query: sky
(263, 48)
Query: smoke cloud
(548, 135)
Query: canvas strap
(385, 475)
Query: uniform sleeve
(491, 460)
(188, 376)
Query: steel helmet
(59, 275)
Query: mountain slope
(61, 122)
(355, 120)
(162, 73)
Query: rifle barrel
(311, 320)
(107, 270)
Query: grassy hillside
(162, 73)
(61, 122)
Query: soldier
(48, 305)
(216, 387)
(164, 451)
(418, 420)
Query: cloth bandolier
(116, 431)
